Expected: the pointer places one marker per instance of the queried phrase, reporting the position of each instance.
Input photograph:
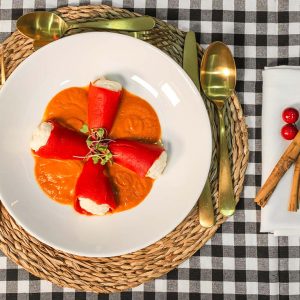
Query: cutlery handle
(206, 210)
(127, 24)
(3, 77)
(226, 196)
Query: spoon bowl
(218, 72)
(42, 25)
(218, 79)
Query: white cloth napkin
(281, 89)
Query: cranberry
(289, 131)
(290, 115)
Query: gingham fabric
(238, 262)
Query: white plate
(143, 70)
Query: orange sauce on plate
(136, 119)
(58, 178)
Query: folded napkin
(281, 89)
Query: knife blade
(190, 58)
(190, 65)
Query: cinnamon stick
(293, 203)
(284, 163)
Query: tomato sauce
(136, 119)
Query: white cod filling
(41, 135)
(108, 84)
(158, 166)
(92, 207)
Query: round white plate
(143, 70)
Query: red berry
(289, 131)
(290, 115)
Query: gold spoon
(46, 26)
(218, 79)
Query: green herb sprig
(98, 145)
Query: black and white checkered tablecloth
(238, 261)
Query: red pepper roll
(94, 191)
(52, 140)
(144, 159)
(103, 101)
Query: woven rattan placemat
(119, 273)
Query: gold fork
(147, 36)
(3, 77)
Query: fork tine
(149, 35)
(153, 36)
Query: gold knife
(190, 65)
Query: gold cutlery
(218, 79)
(46, 26)
(145, 35)
(3, 77)
(190, 65)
